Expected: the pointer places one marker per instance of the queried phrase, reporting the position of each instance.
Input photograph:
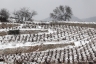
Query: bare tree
(24, 14)
(4, 14)
(31, 14)
(61, 13)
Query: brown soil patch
(27, 49)
(3, 33)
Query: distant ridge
(91, 19)
(75, 19)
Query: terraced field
(48, 43)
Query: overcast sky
(80, 8)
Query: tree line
(61, 13)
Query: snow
(72, 35)
(1, 62)
(78, 43)
(77, 22)
(16, 44)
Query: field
(48, 43)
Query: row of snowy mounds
(67, 32)
(56, 56)
(20, 28)
(37, 22)
(9, 23)
(52, 31)
(75, 22)
(54, 42)
(34, 21)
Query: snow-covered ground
(14, 44)
(83, 38)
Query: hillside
(91, 19)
